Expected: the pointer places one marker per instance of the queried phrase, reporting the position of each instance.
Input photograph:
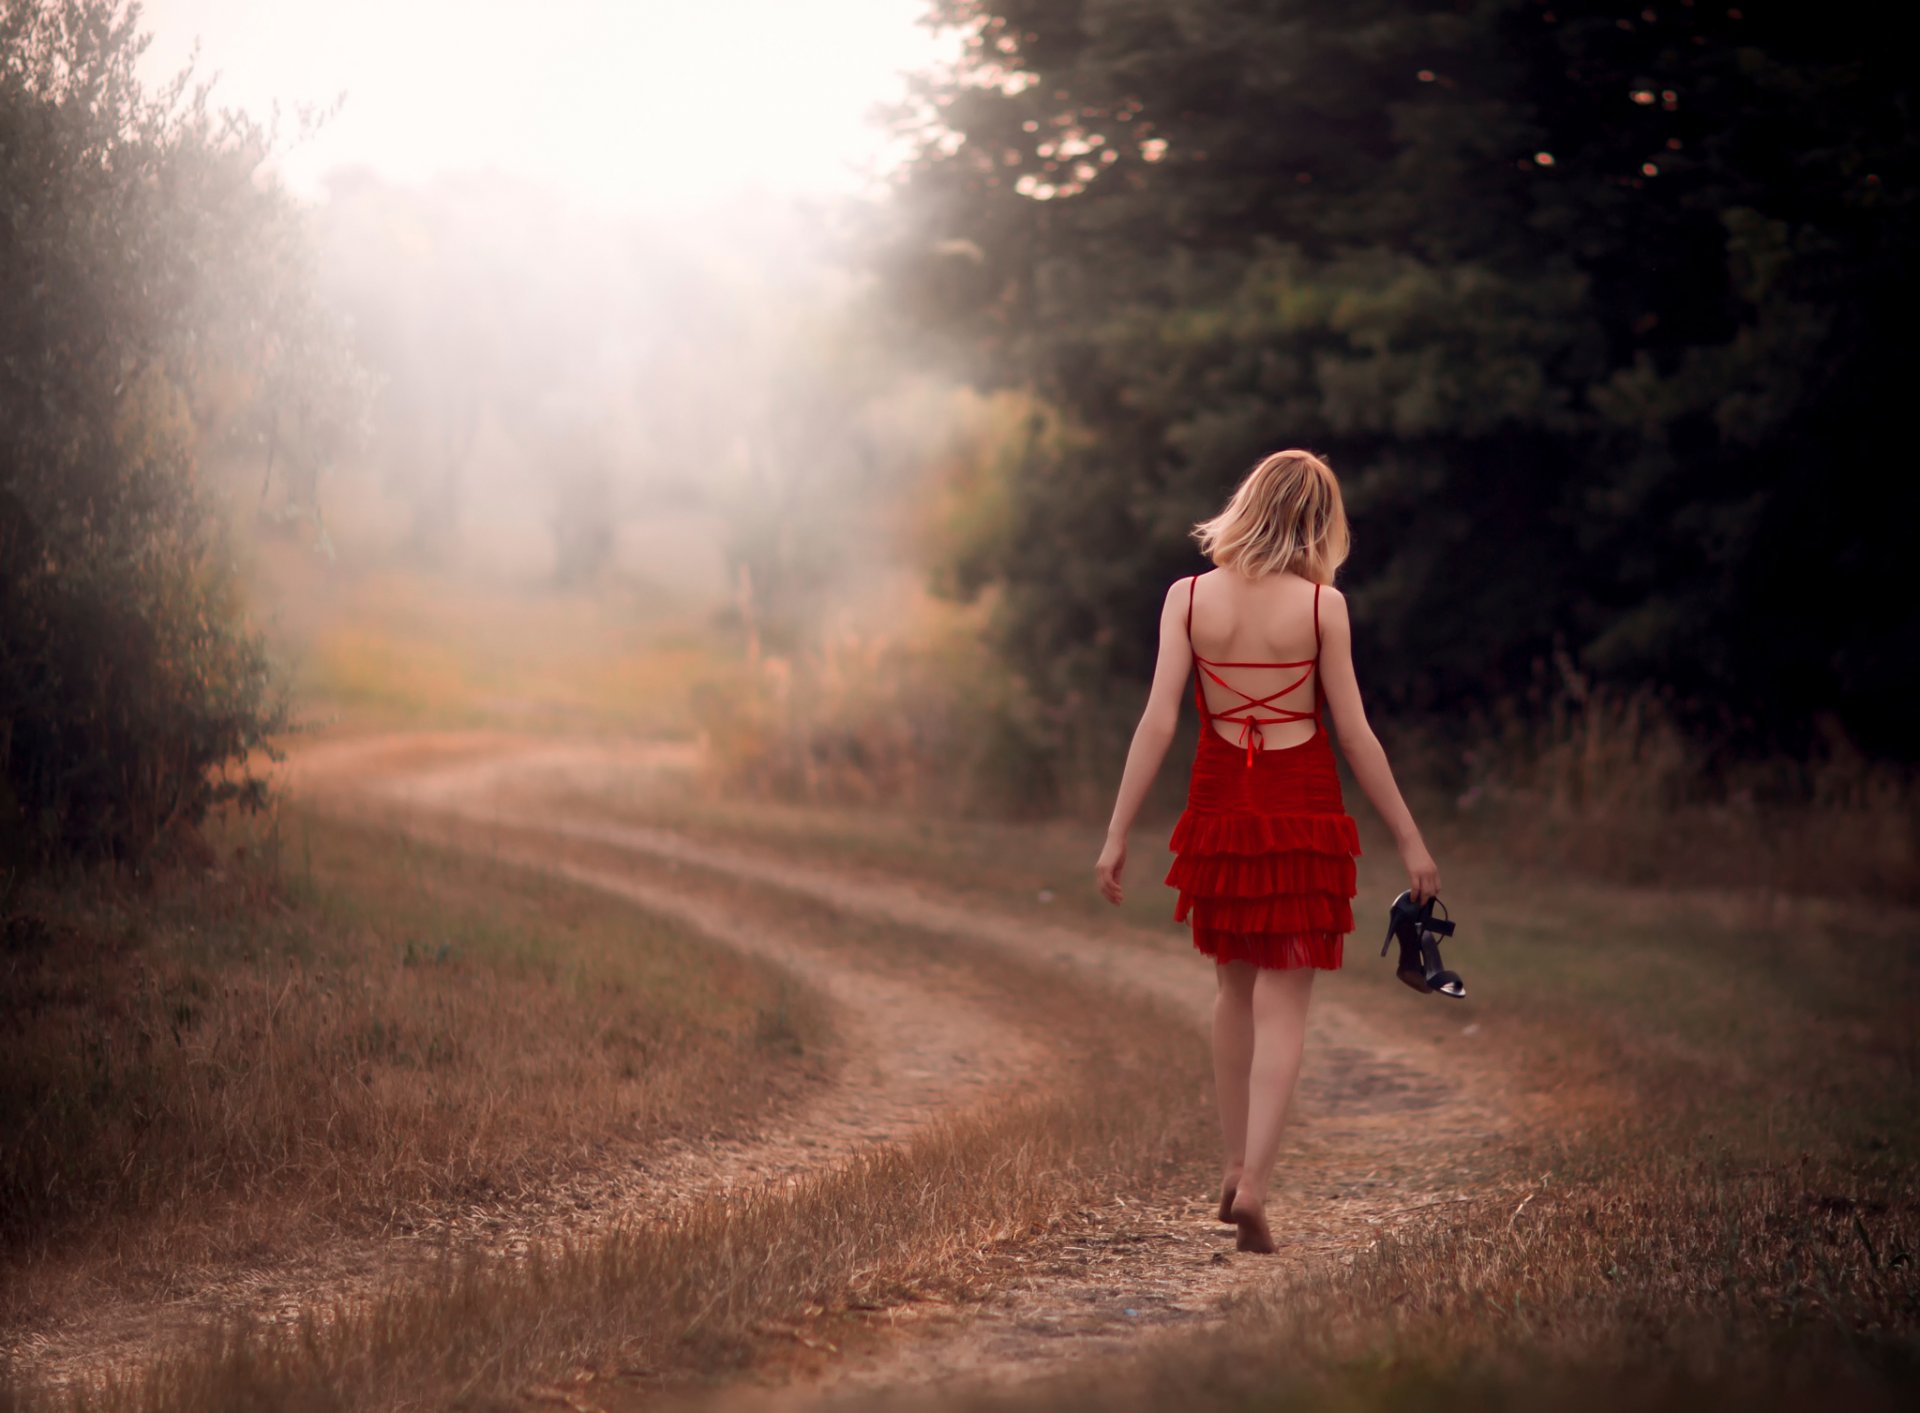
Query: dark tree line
(1602, 310)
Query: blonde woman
(1264, 852)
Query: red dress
(1264, 851)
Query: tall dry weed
(1604, 780)
(1608, 782)
(933, 723)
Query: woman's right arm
(1365, 755)
(1150, 738)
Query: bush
(917, 719)
(150, 285)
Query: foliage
(148, 289)
(1599, 309)
(781, 414)
(1606, 783)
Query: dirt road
(1386, 1126)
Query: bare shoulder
(1333, 607)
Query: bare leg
(1232, 1059)
(1279, 1032)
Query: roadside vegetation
(732, 1278)
(333, 1031)
(1600, 785)
(132, 670)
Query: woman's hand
(1423, 874)
(1106, 871)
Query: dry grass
(1743, 1233)
(1042, 868)
(1678, 1290)
(395, 648)
(649, 1303)
(1608, 782)
(1746, 1232)
(697, 1294)
(1649, 1282)
(1612, 792)
(332, 1035)
(921, 717)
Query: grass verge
(334, 1030)
(654, 1303)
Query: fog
(636, 104)
(602, 282)
(543, 377)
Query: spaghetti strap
(1199, 695)
(1317, 725)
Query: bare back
(1258, 641)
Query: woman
(1264, 851)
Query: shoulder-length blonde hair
(1286, 515)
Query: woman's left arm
(1150, 738)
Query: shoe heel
(1438, 978)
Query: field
(510, 1062)
(1664, 1149)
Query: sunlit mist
(641, 103)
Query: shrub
(150, 285)
(921, 719)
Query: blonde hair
(1286, 515)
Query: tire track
(915, 1054)
(1386, 1127)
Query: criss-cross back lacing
(1251, 736)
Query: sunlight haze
(644, 104)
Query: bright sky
(663, 105)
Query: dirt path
(1387, 1128)
(913, 1054)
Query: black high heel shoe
(1420, 932)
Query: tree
(141, 263)
(1598, 308)
(425, 293)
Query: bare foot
(1251, 1218)
(1226, 1199)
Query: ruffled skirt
(1264, 855)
